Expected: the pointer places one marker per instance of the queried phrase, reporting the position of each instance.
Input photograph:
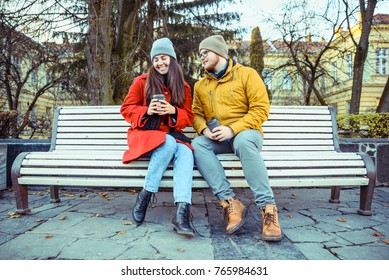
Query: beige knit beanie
(216, 44)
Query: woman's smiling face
(161, 63)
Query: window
(348, 107)
(381, 61)
(287, 81)
(48, 113)
(334, 72)
(267, 77)
(34, 113)
(64, 86)
(48, 77)
(16, 63)
(349, 65)
(322, 82)
(34, 77)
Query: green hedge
(369, 125)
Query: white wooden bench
(300, 150)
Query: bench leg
(54, 195)
(335, 194)
(21, 198)
(367, 192)
(20, 191)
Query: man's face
(208, 59)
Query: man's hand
(220, 133)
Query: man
(236, 96)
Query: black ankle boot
(181, 220)
(140, 207)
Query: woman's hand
(165, 108)
(154, 107)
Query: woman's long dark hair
(174, 81)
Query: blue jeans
(183, 162)
(247, 146)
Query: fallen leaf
(40, 220)
(40, 194)
(13, 215)
(290, 215)
(342, 220)
(293, 194)
(386, 241)
(127, 223)
(277, 192)
(99, 215)
(180, 250)
(122, 232)
(49, 236)
(89, 215)
(103, 195)
(63, 218)
(378, 234)
(82, 195)
(66, 193)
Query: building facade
(335, 72)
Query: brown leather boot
(271, 230)
(234, 213)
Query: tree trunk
(383, 107)
(361, 53)
(98, 52)
(126, 44)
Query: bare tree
(23, 60)
(99, 50)
(299, 30)
(121, 34)
(362, 48)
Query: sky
(254, 13)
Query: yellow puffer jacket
(238, 99)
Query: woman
(156, 129)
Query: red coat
(134, 109)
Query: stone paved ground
(96, 224)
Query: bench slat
(110, 123)
(117, 155)
(273, 109)
(229, 172)
(267, 130)
(123, 135)
(290, 123)
(123, 182)
(265, 148)
(123, 141)
(101, 123)
(225, 163)
(99, 116)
